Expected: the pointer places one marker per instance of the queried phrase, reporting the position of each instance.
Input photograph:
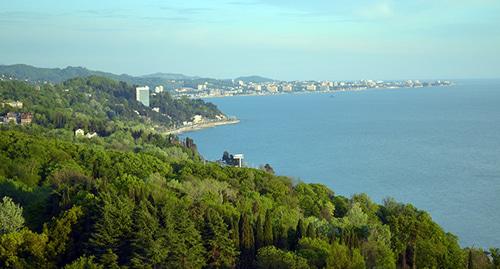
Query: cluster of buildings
(239, 87)
(81, 133)
(13, 104)
(23, 118)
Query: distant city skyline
(284, 40)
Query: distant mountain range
(57, 75)
(170, 76)
(256, 79)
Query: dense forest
(140, 199)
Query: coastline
(207, 97)
(204, 125)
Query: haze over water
(437, 148)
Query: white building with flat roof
(240, 158)
(159, 89)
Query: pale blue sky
(283, 39)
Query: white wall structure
(142, 95)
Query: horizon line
(249, 75)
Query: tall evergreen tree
(470, 264)
(311, 231)
(299, 233)
(259, 234)
(280, 237)
(221, 253)
(148, 246)
(247, 243)
(268, 230)
(113, 228)
(235, 233)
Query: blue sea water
(437, 148)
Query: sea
(437, 148)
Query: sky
(281, 39)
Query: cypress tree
(268, 230)
(259, 234)
(299, 233)
(470, 264)
(281, 239)
(247, 243)
(235, 233)
(311, 231)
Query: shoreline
(204, 125)
(207, 97)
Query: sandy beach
(203, 125)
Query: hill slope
(58, 75)
(97, 104)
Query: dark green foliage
(113, 226)
(300, 231)
(247, 243)
(96, 205)
(259, 233)
(311, 231)
(221, 252)
(268, 230)
(495, 257)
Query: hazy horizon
(317, 40)
(248, 75)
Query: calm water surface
(437, 148)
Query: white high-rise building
(142, 95)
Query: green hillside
(134, 198)
(100, 105)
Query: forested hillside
(155, 204)
(99, 105)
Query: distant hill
(255, 79)
(170, 76)
(55, 75)
(58, 75)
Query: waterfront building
(311, 87)
(287, 87)
(197, 119)
(142, 95)
(272, 88)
